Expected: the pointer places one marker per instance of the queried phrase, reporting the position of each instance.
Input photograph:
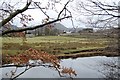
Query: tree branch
(41, 9)
(35, 27)
(12, 15)
(104, 9)
(108, 9)
(107, 5)
(64, 8)
(32, 65)
(26, 69)
(5, 10)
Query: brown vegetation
(21, 60)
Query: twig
(26, 69)
(12, 15)
(41, 9)
(64, 8)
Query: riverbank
(90, 53)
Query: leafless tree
(101, 14)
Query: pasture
(52, 44)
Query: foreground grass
(51, 44)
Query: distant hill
(61, 27)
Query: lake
(86, 67)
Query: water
(86, 67)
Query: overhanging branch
(64, 8)
(35, 27)
(31, 65)
(12, 15)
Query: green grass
(51, 44)
(53, 39)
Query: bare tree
(100, 12)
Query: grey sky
(38, 15)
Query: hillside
(60, 27)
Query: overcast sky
(38, 15)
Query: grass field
(51, 44)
